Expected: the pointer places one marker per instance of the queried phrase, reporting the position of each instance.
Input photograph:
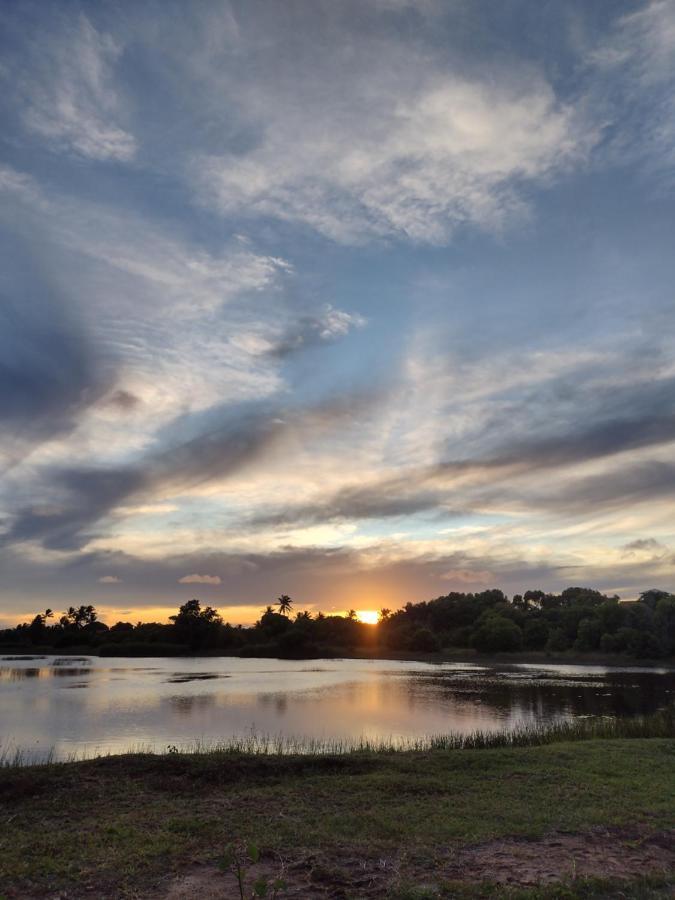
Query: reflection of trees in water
(19, 674)
(612, 694)
(188, 704)
(11, 674)
(63, 672)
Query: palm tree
(284, 603)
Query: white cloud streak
(633, 72)
(70, 94)
(415, 161)
(390, 136)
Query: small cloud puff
(109, 579)
(199, 579)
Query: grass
(644, 888)
(658, 725)
(120, 826)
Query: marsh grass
(658, 725)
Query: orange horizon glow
(368, 616)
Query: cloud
(643, 544)
(392, 136)
(70, 96)
(109, 579)
(170, 373)
(504, 467)
(328, 326)
(322, 576)
(173, 327)
(647, 550)
(396, 496)
(48, 376)
(229, 442)
(200, 579)
(417, 162)
(648, 482)
(467, 576)
(634, 80)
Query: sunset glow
(368, 616)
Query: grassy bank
(498, 821)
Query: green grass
(120, 823)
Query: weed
(237, 859)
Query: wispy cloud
(70, 96)
(412, 157)
(634, 73)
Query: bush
(296, 643)
(557, 641)
(460, 637)
(641, 644)
(535, 634)
(588, 635)
(425, 641)
(496, 634)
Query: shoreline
(459, 655)
(656, 725)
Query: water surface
(88, 705)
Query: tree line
(578, 620)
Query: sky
(361, 302)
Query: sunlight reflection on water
(91, 705)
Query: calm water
(91, 705)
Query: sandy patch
(614, 854)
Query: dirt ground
(607, 854)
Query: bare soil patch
(611, 854)
(607, 854)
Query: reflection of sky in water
(96, 705)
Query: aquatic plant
(658, 725)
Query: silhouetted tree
(80, 617)
(195, 626)
(284, 604)
(37, 630)
(578, 618)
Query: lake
(86, 706)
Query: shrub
(496, 633)
(535, 634)
(425, 641)
(557, 641)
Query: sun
(368, 616)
